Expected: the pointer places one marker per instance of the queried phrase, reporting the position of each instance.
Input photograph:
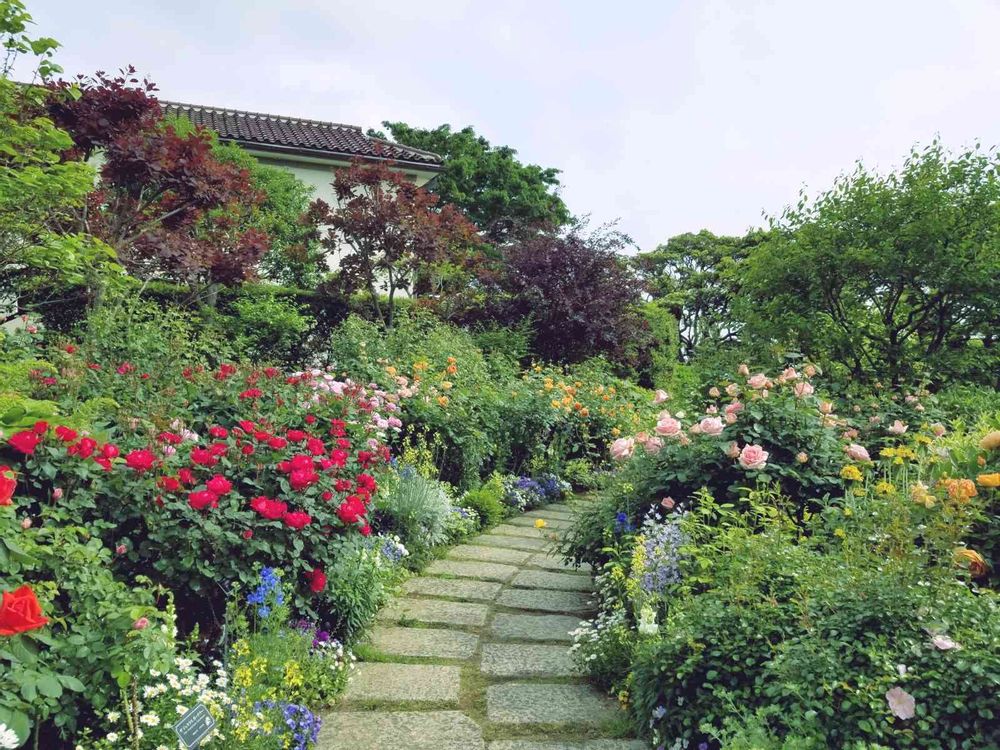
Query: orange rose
(20, 612)
(984, 480)
(991, 441)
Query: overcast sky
(673, 116)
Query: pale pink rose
(713, 409)
(711, 426)
(875, 419)
(57, 493)
(660, 396)
(684, 440)
(653, 445)
(758, 381)
(944, 643)
(825, 407)
(733, 451)
(714, 392)
(857, 452)
(622, 448)
(849, 434)
(730, 419)
(743, 370)
(734, 408)
(732, 390)
(802, 457)
(753, 457)
(810, 370)
(897, 428)
(121, 549)
(668, 427)
(938, 429)
(789, 374)
(918, 407)
(695, 429)
(901, 703)
(763, 393)
(803, 389)
(641, 438)
(668, 503)
(911, 399)
(25, 523)
(395, 422)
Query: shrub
(415, 508)
(360, 580)
(268, 328)
(487, 500)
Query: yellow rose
(540, 523)
(991, 442)
(989, 480)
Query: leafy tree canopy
(502, 196)
(894, 274)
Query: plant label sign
(194, 726)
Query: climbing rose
(753, 457)
(351, 510)
(660, 396)
(270, 509)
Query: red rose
(218, 432)
(350, 510)
(219, 485)
(316, 446)
(302, 478)
(337, 428)
(24, 442)
(103, 462)
(277, 443)
(247, 426)
(366, 483)
(248, 534)
(343, 443)
(186, 475)
(365, 458)
(203, 457)
(170, 438)
(20, 612)
(65, 434)
(272, 372)
(296, 436)
(317, 580)
(84, 448)
(110, 451)
(328, 496)
(69, 349)
(170, 484)
(140, 460)
(310, 419)
(325, 463)
(202, 499)
(297, 520)
(339, 457)
(343, 485)
(301, 462)
(251, 393)
(8, 483)
(218, 449)
(270, 509)
(366, 530)
(40, 427)
(247, 449)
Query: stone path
(474, 655)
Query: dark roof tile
(323, 138)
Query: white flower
(112, 737)
(901, 703)
(8, 739)
(113, 716)
(150, 720)
(901, 669)
(944, 643)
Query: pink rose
(901, 703)
(743, 370)
(734, 408)
(653, 445)
(897, 428)
(733, 451)
(810, 370)
(660, 395)
(732, 390)
(668, 503)
(803, 389)
(713, 409)
(711, 426)
(758, 381)
(789, 374)
(622, 448)
(668, 427)
(857, 452)
(141, 624)
(938, 429)
(714, 392)
(753, 457)
(825, 407)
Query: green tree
(502, 196)
(694, 275)
(891, 275)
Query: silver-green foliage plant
(417, 509)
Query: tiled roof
(274, 132)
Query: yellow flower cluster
(851, 473)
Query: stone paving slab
(436, 612)
(481, 570)
(528, 532)
(551, 522)
(568, 745)
(432, 683)
(432, 643)
(489, 554)
(534, 627)
(545, 600)
(456, 588)
(561, 512)
(399, 730)
(511, 542)
(535, 703)
(542, 579)
(551, 562)
(521, 660)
